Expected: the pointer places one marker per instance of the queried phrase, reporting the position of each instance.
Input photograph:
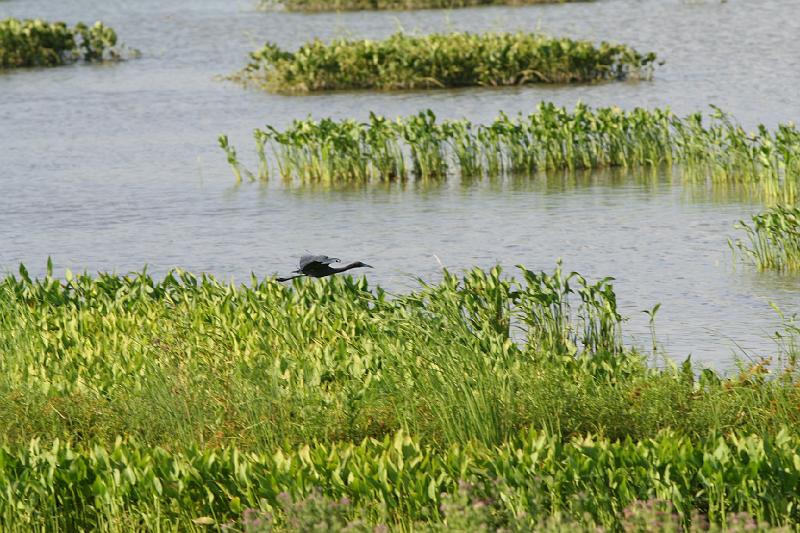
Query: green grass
(351, 5)
(441, 60)
(32, 43)
(163, 402)
(773, 241)
(709, 149)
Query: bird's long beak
(369, 266)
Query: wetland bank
(180, 401)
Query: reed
(773, 239)
(404, 61)
(353, 5)
(31, 43)
(710, 149)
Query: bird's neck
(346, 267)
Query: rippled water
(111, 167)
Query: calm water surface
(111, 167)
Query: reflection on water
(110, 167)
(646, 179)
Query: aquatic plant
(233, 161)
(773, 239)
(404, 61)
(189, 359)
(135, 403)
(351, 5)
(401, 481)
(97, 42)
(29, 43)
(710, 149)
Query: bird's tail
(288, 278)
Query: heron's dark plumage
(306, 260)
(319, 266)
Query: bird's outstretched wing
(307, 260)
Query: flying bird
(319, 266)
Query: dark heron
(319, 266)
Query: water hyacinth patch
(31, 43)
(405, 61)
(709, 148)
(352, 5)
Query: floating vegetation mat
(773, 239)
(35, 43)
(135, 404)
(353, 5)
(441, 60)
(712, 148)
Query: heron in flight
(319, 266)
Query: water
(111, 167)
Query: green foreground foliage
(441, 60)
(710, 148)
(399, 482)
(352, 5)
(36, 43)
(773, 241)
(129, 403)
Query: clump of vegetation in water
(441, 60)
(34, 43)
(352, 5)
(713, 148)
(480, 400)
(773, 239)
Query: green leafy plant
(710, 150)
(135, 403)
(667, 481)
(773, 239)
(442, 60)
(29, 43)
(233, 160)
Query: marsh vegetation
(36, 43)
(404, 61)
(773, 239)
(352, 5)
(184, 399)
(709, 148)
